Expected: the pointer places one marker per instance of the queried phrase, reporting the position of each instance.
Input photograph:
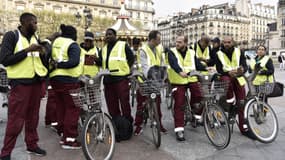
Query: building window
(211, 24)
(102, 13)
(130, 4)
(131, 14)
(57, 9)
(115, 2)
(282, 44)
(283, 33)
(283, 21)
(145, 5)
(102, 1)
(115, 14)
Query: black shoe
(180, 136)
(8, 157)
(249, 134)
(38, 151)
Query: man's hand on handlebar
(183, 74)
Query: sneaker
(38, 151)
(7, 157)
(180, 136)
(71, 145)
(138, 130)
(54, 127)
(61, 141)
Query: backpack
(123, 128)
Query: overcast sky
(167, 7)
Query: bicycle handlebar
(91, 80)
(204, 78)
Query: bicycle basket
(214, 88)
(150, 86)
(3, 79)
(89, 95)
(266, 88)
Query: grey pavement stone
(196, 147)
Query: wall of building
(141, 10)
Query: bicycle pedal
(232, 121)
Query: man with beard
(231, 63)
(24, 59)
(182, 61)
(117, 56)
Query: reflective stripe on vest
(187, 65)
(60, 54)
(233, 64)
(260, 79)
(31, 65)
(90, 70)
(117, 59)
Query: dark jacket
(174, 63)
(8, 58)
(269, 65)
(229, 53)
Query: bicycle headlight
(91, 81)
(153, 96)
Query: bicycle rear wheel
(98, 138)
(155, 125)
(262, 121)
(216, 126)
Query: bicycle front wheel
(216, 126)
(262, 121)
(155, 125)
(98, 138)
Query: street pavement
(196, 146)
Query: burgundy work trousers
(179, 100)
(235, 89)
(117, 97)
(66, 111)
(50, 116)
(24, 105)
(140, 106)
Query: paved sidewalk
(196, 146)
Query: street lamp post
(87, 17)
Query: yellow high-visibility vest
(117, 59)
(60, 54)
(187, 65)
(90, 70)
(260, 79)
(31, 65)
(233, 64)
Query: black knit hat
(67, 30)
(113, 30)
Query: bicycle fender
(246, 108)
